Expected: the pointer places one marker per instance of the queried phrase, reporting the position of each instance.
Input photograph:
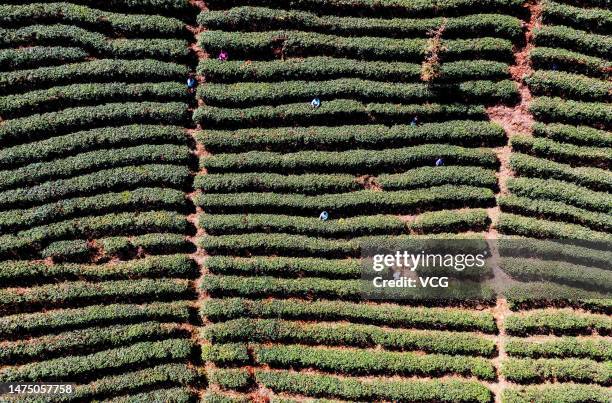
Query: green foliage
(593, 19)
(557, 36)
(348, 334)
(354, 203)
(284, 267)
(100, 70)
(226, 354)
(90, 140)
(98, 160)
(278, 183)
(557, 392)
(558, 271)
(90, 365)
(527, 370)
(561, 322)
(243, 19)
(447, 390)
(153, 243)
(162, 49)
(170, 176)
(551, 189)
(526, 165)
(14, 299)
(460, 132)
(361, 362)
(93, 315)
(436, 222)
(353, 161)
(594, 114)
(278, 244)
(22, 271)
(84, 340)
(258, 45)
(568, 85)
(424, 177)
(139, 199)
(599, 349)
(556, 211)
(374, 314)
(37, 127)
(37, 56)
(343, 227)
(230, 378)
(535, 228)
(323, 67)
(579, 135)
(330, 112)
(543, 58)
(12, 106)
(72, 14)
(175, 395)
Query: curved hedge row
(560, 191)
(72, 14)
(86, 94)
(599, 349)
(369, 362)
(557, 36)
(85, 340)
(348, 334)
(527, 370)
(162, 49)
(374, 389)
(247, 94)
(46, 125)
(284, 266)
(594, 114)
(93, 161)
(461, 132)
(438, 176)
(38, 56)
(352, 204)
(559, 272)
(100, 70)
(267, 182)
(568, 153)
(556, 211)
(15, 300)
(331, 112)
(267, 19)
(372, 314)
(85, 367)
(579, 135)
(178, 266)
(353, 161)
(17, 326)
(398, 7)
(568, 85)
(134, 200)
(566, 392)
(271, 223)
(543, 58)
(531, 227)
(321, 67)
(562, 322)
(593, 19)
(593, 178)
(90, 140)
(124, 178)
(260, 45)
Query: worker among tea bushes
(324, 216)
(315, 103)
(191, 83)
(415, 121)
(223, 56)
(439, 162)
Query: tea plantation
(187, 188)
